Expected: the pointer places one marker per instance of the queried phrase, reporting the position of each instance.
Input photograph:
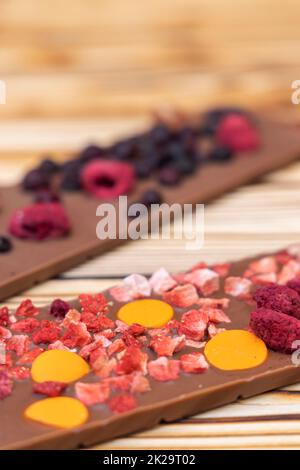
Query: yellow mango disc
(58, 366)
(150, 313)
(61, 412)
(235, 350)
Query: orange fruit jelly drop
(150, 313)
(61, 412)
(58, 366)
(235, 350)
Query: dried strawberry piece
(108, 333)
(132, 360)
(50, 388)
(164, 369)
(121, 383)
(166, 346)
(193, 363)
(163, 331)
(222, 269)
(29, 356)
(6, 385)
(95, 323)
(206, 280)
(140, 383)
(48, 332)
(283, 257)
(122, 403)
(27, 309)
(199, 265)
(101, 339)
(237, 133)
(73, 316)
(294, 250)
(59, 308)
(207, 303)
(19, 344)
(121, 326)
(279, 298)
(76, 336)
(87, 350)
(19, 373)
(136, 330)
(264, 279)
(195, 344)
(213, 330)
(4, 317)
(92, 393)
(101, 364)
(27, 325)
(217, 315)
(115, 347)
(58, 345)
(120, 293)
(161, 281)
(289, 272)
(239, 287)
(137, 286)
(193, 324)
(5, 333)
(265, 265)
(95, 304)
(182, 296)
(130, 340)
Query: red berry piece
(59, 308)
(48, 333)
(27, 309)
(122, 403)
(27, 325)
(193, 324)
(193, 363)
(280, 298)
(93, 303)
(107, 179)
(4, 316)
(237, 133)
(50, 389)
(163, 369)
(36, 180)
(292, 284)
(6, 385)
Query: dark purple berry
(35, 180)
(169, 176)
(220, 154)
(151, 196)
(5, 244)
(71, 176)
(160, 134)
(49, 166)
(59, 308)
(90, 153)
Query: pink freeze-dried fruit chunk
(76, 335)
(122, 403)
(27, 325)
(161, 281)
(216, 315)
(95, 304)
(50, 388)
(47, 333)
(27, 309)
(166, 346)
(193, 324)
(206, 280)
(182, 296)
(279, 298)
(92, 393)
(265, 265)
(19, 344)
(137, 286)
(289, 271)
(193, 363)
(6, 385)
(164, 369)
(239, 287)
(132, 360)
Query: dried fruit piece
(150, 313)
(47, 333)
(18, 343)
(58, 366)
(4, 316)
(294, 284)
(95, 323)
(140, 384)
(19, 373)
(164, 369)
(132, 360)
(206, 280)
(73, 316)
(193, 363)
(92, 393)
(166, 346)
(95, 304)
(193, 324)
(279, 298)
(27, 309)
(216, 315)
(27, 325)
(182, 296)
(6, 385)
(265, 265)
(289, 271)
(239, 287)
(76, 336)
(50, 388)
(237, 133)
(161, 281)
(122, 403)
(60, 412)
(29, 356)
(207, 303)
(59, 308)
(235, 350)
(137, 286)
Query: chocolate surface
(31, 262)
(165, 402)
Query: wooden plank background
(84, 70)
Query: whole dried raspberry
(4, 316)
(50, 389)
(193, 363)
(276, 329)
(92, 393)
(122, 403)
(164, 369)
(27, 325)
(40, 221)
(280, 298)
(93, 303)
(106, 179)
(193, 324)
(166, 346)
(59, 308)
(237, 133)
(27, 309)
(182, 296)
(6, 385)
(47, 333)
(36, 179)
(76, 335)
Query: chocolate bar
(148, 351)
(31, 261)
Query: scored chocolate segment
(31, 262)
(165, 402)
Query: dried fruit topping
(4, 316)
(115, 347)
(58, 345)
(239, 287)
(92, 393)
(279, 331)
(50, 388)
(182, 296)
(27, 309)
(48, 333)
(132, 360)
(6, 385)
(59, 308)
(29, 356)
(289, 271)
(166, 346)
(140, 383)
(73, 316)
(164, 369)
(207, 303)
(237, 133)
(213, 330)
(193, 363)
(76, 336)
(137, 286)
(161, 281)
(95, 304)
(107, 179)
(122, 403)
(216, 315)
(206, 280)
(279, 298)
(19, 344)
(40, 221)
(95, 323)
(5, 333)
(265, 265)
(27, 325)
(19, 373)
(264, 279)
(193, 324)
(222, 269)
(120, 293)
(136, 330)
(5, 244)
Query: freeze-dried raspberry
(122, 403)
(239, 287)
(5, 333)
(213, 330)
(19, 344)
(193, 324)
(193, 363)
(222, 269)
(279, 298)
(27, 309)
(92, 393)
(237, 133)
(164, 369)
(140, 383)
(166, 346)
(207, 303)
(265, 265)
(29, 356)
(295, 285)
(206, 280)
(264, 279)
(137, 286)
(6, 385)
(47, 333)
(50, 388)
(161, 281)
(58, 345)
(182, 296)
(115, 347)
(59, 308)
(108, 179)
(73, 316)
(276, 329)
(216, 315)
(132, 360)
(95, 323)
(19, 373)
(76, 335)
(4, 316)
(27, 325)
(289, 271)
(40, 221)
(95, 304)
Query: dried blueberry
(36, 179)
(5, 244)
(151, 196)
(49, 166)
(160, 134)
(220, 154)
(124, 149)
(71, 176)
(91, 152)
(169, 176)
